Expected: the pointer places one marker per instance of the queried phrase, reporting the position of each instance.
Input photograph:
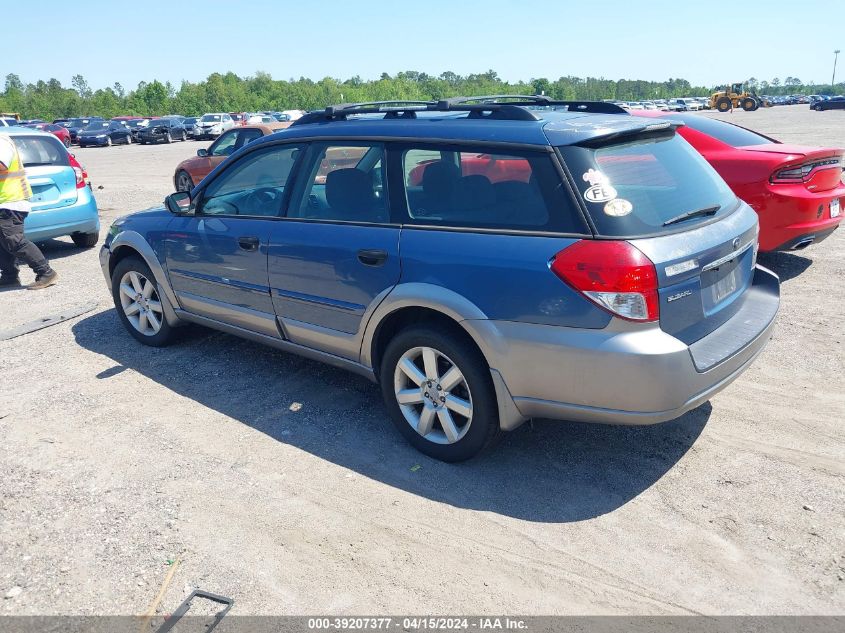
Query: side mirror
(202, 153)
(179, 203)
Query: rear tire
(439, 356)
(85, 240)
(184, 136)
(121, 276)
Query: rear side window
(462, 187)
(40, 151)
(728, 133)
(635, 188)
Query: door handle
(372, 257)
(248, 243)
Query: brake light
(79, 171)
(801, 173)
(616, 276)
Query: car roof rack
(499, 107)
(391, 109)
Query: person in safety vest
(14, 207)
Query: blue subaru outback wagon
(485, 260)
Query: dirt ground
(118, 459)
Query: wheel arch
(425, 303)
(130, 243)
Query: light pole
(833, 79)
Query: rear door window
(644, 186)
(477, 188)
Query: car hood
(209, 123)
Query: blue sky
(707, 42)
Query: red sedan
(797, 191)
(60, 132)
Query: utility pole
(833, 79)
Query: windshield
(728, 133)
(189, 121)
(633, 188)
(158, 122)
(96, 126)
(138, 123)
(77, 123)
(208, 118)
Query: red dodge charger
(797, 191)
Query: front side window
(456, 186)
(254, 185)
(225, 145)
(344, 182)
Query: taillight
(801, 173)
(616, 276)
(80, 177)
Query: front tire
(184, 136)
(723, 104)
(108, 141)
(66, 142)
(168, 138)
(129, 139)
(748, 104)
(138, 302)
(85, 240)
(184, 182)
(439, 393)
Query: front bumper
(80, 217)
(90, 140)
(627, 374)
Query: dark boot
(44, 280)
(9, 281)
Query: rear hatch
(656, 192)
(48, 171)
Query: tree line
(231, 93)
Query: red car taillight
(805, 171)
(616, 276)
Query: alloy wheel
(141, 303)
(433, 395)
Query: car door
(217, 257)
(337, 253)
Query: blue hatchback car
(485, 260)
(62, 201)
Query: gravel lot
(118, 459)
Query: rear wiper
(693, 214)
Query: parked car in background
(104, 134)
(8, 122)
(163, 131)
(294, 114)
(58, 131)
(190, 125)
(213, 124)
(629, 294)
(76, 125)
(239, 118)
(834, 103)
(797, 191)
(62, 122)
(136, 125)
(255, 119)
(62, 202)
(192, 170)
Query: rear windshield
(634, 188)
(38, 151)
(96, 125)
(728, 133)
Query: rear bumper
(81, 217)
(788, 214)
(625, 374)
